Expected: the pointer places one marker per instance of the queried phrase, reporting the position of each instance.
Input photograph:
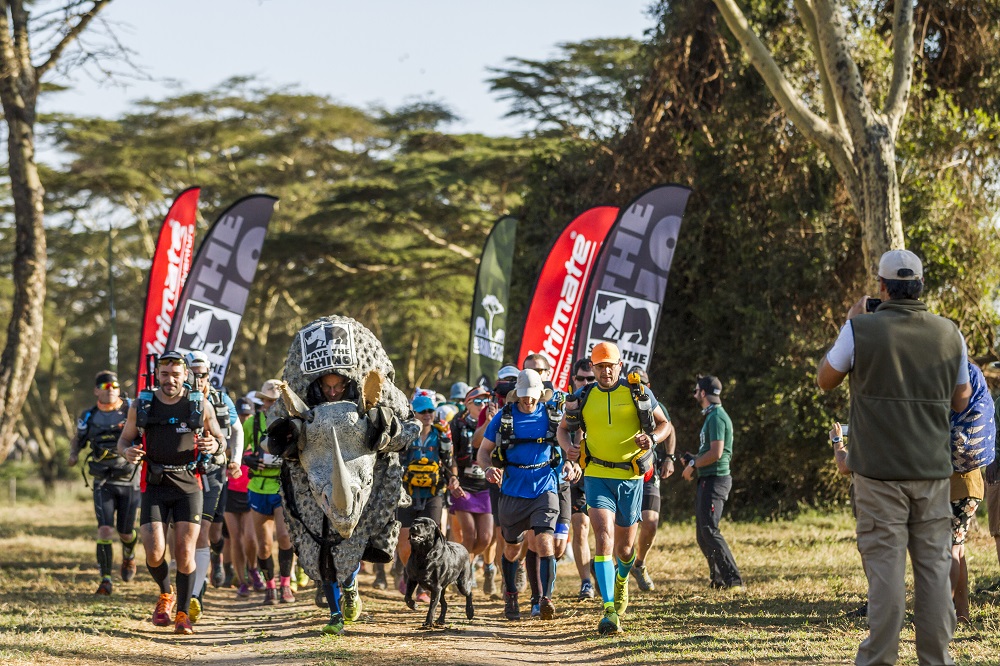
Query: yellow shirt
(612, 424)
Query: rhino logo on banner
(326, 346)
(208, 329)
(626, 321)
(489, 342)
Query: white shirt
(841, 356)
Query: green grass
(802, 575)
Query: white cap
(900, 265)
(529, 384)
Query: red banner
(550, 326)
(167, 274)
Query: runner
(208, 551)
(621, 424)
(473, 513)
(583, 374)
(176, 426)
(116, 483)
(265, 502)
(523, 436)
(242, 541)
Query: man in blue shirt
(526, 467)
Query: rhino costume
(341, 476)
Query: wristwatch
(672, 457)
(836, 440)
(691, 462)
(652, 436)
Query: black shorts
(565, 504)
(651, 495)
(163, 504)
(112, 498)
(430, 507)
(495, 503)
(578, 499)
(236, 502)
(214, 484)
(518, 515)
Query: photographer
(908, 368)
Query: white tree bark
(859, 141)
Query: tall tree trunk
(876, 199)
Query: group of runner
(516, 472)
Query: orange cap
(605, 352)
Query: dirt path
(237, 632)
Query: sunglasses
(426, 411)
(585, 378)
(106, 386)
(480, 401)
(200, 375)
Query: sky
(361, 52)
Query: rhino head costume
(341, 476)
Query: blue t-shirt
(526, 483)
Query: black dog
(435, 563)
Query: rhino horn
(293, 403)
(340, 493)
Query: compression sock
(285, 559)
(625, 567)
(160, 574)
(128, 547)
(267, 569)
(105, 557)
(604, 570)
(547, 567)
(531, 568)
(509, 571)
(332, 590)
(202, 560)
(217, 546)
(185, 586)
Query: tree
(20, 81)
(858, 139)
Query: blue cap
(422, 403)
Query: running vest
(637, 463)
(168, 438)
(473, 478)
(100, 431)
(507, 439)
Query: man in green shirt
(714, 483)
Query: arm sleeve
(841, 355)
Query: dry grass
(801, 577)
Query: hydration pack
(423, 473)
(103, 461)
(144, 408)
(507, 439)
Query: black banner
(626, 290)
(211, 306)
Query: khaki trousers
(893, 517)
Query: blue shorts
(263, 504)
(621, 496)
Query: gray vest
(906, 363)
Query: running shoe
(335, 626)
(546, 610)
(161, 614)
(621, 595)
(286, 596)
(536, 610)
(230, 574)
(489, 574)
(104, 589)
(270, 597)
(510, 609)
(586, 591)
(380, 581)
(320, 598)
(257, 580)
(423, 597)
(642, 578)
(194, 610)
(521, 578)
(128, 569)
(218, 576)
(350, 603)
(609, 624)
(243, 590)
(182, 623)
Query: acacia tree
(858, 139)
(20, 81)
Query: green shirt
(264, 481)
(717, 426)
